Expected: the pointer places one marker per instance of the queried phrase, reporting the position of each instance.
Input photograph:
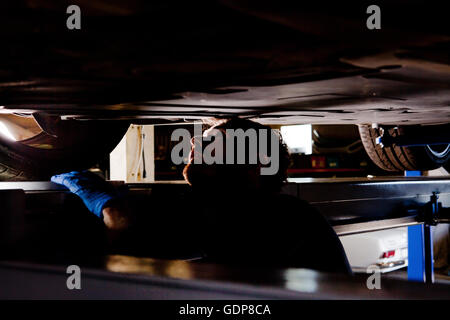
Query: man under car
(233, 215)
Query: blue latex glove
(92, 189)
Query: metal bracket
(433, 213)
(423, 136)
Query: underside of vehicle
(67, 96)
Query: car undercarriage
(175, 62)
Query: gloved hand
(95, 192)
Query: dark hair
(239, 176)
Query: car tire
(396, 159)
(79, 145)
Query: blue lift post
(420, 248)
(420, 254)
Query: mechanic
(233, 215)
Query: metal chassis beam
(351, 205)
(422, 136)
(343, 230)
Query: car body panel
(366, 249)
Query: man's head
(253, 157)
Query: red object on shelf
(318, 162)
(309, 170)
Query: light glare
(298, 138)
(5, 132)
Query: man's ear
(187, 173)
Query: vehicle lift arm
(420, 240)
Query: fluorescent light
(298, 138)
(5, 132)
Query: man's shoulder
(288, 201)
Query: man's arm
(99, 197)
(116, 218)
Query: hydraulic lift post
(420, 241)
(420, 254)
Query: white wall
(127, 159)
